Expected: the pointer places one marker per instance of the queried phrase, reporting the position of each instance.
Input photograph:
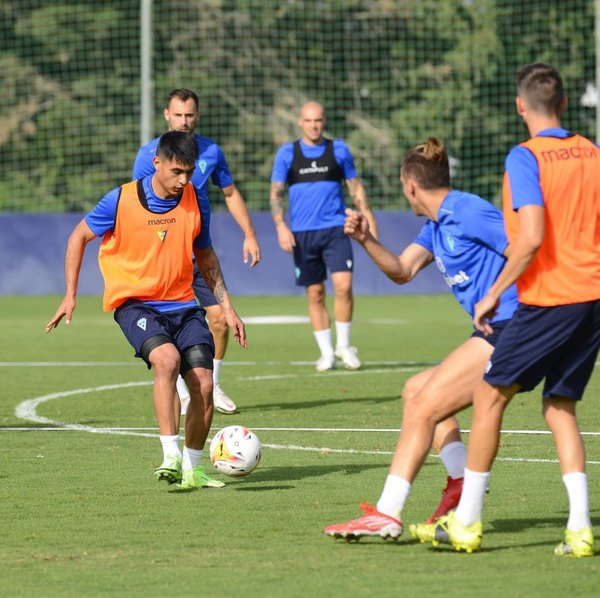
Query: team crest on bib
(161, 235)
(141, 323)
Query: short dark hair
(184, 95)
(541, 87)
(428, 164)
(178, 146)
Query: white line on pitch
(42, 364)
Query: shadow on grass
(315, 404)
(263, 480)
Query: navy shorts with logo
(202, 293)
(559, 344)
(185, 327)
(317, 251)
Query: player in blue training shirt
(313, 168)
(465, 237)
(182, 114)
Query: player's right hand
(356, 225)
(65, 310)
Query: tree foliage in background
(390, 73)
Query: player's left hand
(238, 327)
(251, 250)
(484, 311)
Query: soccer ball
(235, 451)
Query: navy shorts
(559, 344)
(202, 293)
(317, 251)
(497, 328)
(185, 327)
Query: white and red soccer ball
(235, 451)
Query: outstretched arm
(237, 208)
(359, 197)
(78, 240)
(284, 234)
(210, 268)
(399, 268)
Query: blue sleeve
(524, 178)
(425, 237)
(282, 164)
(101, 218)
(482, 222)
(203, 240)
(221, 176)
(343, 157)
(143, 165)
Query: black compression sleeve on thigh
(151, 344)
(198, 356)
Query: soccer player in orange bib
(150, 228)
(551, 198)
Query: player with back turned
(551, 199)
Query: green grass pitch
(83, 516)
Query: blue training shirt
(468, 242)
(315, 205)
(101, 220)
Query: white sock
(394, 495)
(454, 457)
(470, 506)
(191, 458)
(342, 334)
(579, 507)
(182, 389)
(170, 445)
(323, 338)
(217, 363)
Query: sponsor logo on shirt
(451, 281)
(159, 221)
(313, 168)
(566, 153)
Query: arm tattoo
(276, 199)
(210, 268)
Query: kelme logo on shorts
(297, 272)
(348, 264)
(141, 323)
(161, 235)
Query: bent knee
(165, 359)
(410, 390)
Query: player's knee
(218, 324)
(410, 390)
(161, 353)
